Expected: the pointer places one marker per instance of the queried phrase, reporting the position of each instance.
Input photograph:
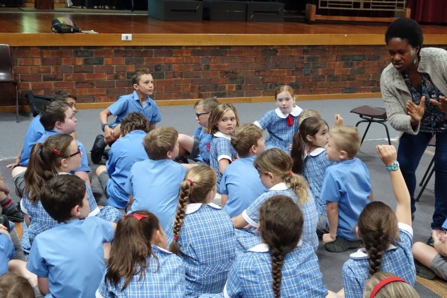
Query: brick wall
(100, 74)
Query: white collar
(317, 151)
(193, 207)
(295, 112)
(162, 249)
(222, 135)
(279, 186)
(63, 173)
(362, 255)
(263, 247)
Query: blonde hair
(307, 114)
(286, 88)
(244, 138)
(199, 181)
(216, 115)
(346, 138)
(393, 289)
(208, 103)
(158, 142)
(279, 164)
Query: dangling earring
(415, 60)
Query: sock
(7, 203)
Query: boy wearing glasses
(198, 146)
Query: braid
(375, 245)
(299, 185)
(277, 261)
(185, 191)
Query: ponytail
(131, 246)
(198, 183)
(299, 185)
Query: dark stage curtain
(428, 11)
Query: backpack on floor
(64, 25)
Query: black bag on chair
(37, 102)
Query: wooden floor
(149, 31)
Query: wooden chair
(428, 173)
(370, 115)
(7, 72)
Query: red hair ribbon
(290, 120)
(55, 151)
(175, 238)
(290, 173)
(136, 215)
(190, 181)
(383, 283)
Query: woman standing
(415, 78)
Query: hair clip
(55, 151)
(190, 181)
(290, 173)
(175, 238)
(136, 215)
(383, 283)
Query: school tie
(290, 120)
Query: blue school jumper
(347, 183)
(204, 139)
(314, 168)
(207, 246)
(309, 236)
(131, 103)
(221, 149)
(241, 183)
(251, 274)
(122, 155)
(71, 256)
(164, 277)
(280, 134)
(397, 260)
(33, 134)
(154, 185)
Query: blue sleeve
(330, 190)
(197, 133)
(233, 287)
(6, 246)
(352, 286)
(128, 185)
(84, 159)
(223, 147)
(223, 183)
(113, 158)
(156, 116)
(107, 229)
(265, 120)
(36, 262)
(253, 210)
(119, 106)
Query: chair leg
(425, 184)
(427, 171)
(367, 128)
(17, 104)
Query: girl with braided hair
(387, 237)
(274, 167)
(139, 264)
(282, 265)
(202, 234)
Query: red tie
(290, 120)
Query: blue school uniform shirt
(84, 159)
(397, 260)
(204, 139)
(207, 246)
(164, 277)
(251, 214)
(122, 155)
(131, 103)
(155, 185)
(71, 256)
(221, 149)
(6, 252)
(347, 183)
(314, 168)
(251, 274)
(280, 134)
(241, 183)
(33, 134)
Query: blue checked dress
(397, 260)
(221, 149)
(207, 245)
(164, 277)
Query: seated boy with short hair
(69, 258)
(153, 184)
(346, 189)
(240, 184)
(122, 155)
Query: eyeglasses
(76, 153)
(200, 114)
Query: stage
(239, 61)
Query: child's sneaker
(99, 145)
(13, 214)
(341, 244)
(423, 271)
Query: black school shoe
(99, 145)
(5, 221)
(423, 271)
(341, 244)
(13, 214)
